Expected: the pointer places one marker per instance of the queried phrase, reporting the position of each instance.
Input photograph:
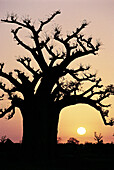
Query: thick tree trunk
(40, 121)
(40, 130)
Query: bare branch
(26, 63)
(104, 105)
(65, 93)
(78, 30)
(54, 56)
(11, 114)
(13, 18)
(18, 40)
(44, 43)
(92, 91)
(49, 50)
(109, 90)
(111, 122)
(24, 79)
(5, 111)
(10, 78)
(36, 52)
(11, 110)
(76, 72)
(98, 138)
(57, 32)
(6, 90)
(36, 74)
(86, 77)
(47, 21)
(76, 55)
(86, 45)
(76, 99)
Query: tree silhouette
(73, 141)
(41, 98)
(3, 139)
(98, 138)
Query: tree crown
(62, 92)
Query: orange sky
(101, 15)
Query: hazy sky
(100, 14)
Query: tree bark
(40, 123)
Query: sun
(81, 130)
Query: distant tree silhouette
(3, 139)
(98, 138)
(42, 97)
(73, 141)
(59, 139)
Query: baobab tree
(50, 90)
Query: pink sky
(100, 14)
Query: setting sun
(81, 130)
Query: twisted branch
(9, 77)
(47, 21)
(5, 111)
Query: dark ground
(69, 157)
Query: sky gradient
(100, 14)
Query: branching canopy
(63, 93)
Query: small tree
(73, 141)
(98, 138)
(3, 139)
